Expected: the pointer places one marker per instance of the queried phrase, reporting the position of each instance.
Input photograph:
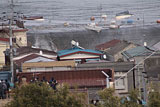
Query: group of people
(52, 82)
(4, 89)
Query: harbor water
(53, 35)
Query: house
(123, 85)
(19, 39)
(30, 66)
(79, 54)
(120, 47)
(114, 48)
(32, 58)
(138, 55)
(19, 35)
(152, 68)
(26, 51)
(30, 54)
(134, 53)
(91, 80)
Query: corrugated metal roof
(76, 50)
(29, 57)
(137, 51)
(81, 78)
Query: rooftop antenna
(74, 43)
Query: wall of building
(21, 37)
(79, 56)
(42, 69)
(121, 85)
(3, 47)
(138, 71)
(125, 84)
(48, 66)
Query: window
(120, 84)
(20, 39)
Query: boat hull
(94, 28)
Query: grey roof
(157, 46)
(117, 66)
(137, 51)
(118, 47)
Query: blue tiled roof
(76, 49)
(137, 51)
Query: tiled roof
(107, 44)
(81, 78)
(137, 51)
(4, 39)
(77, 50)
(28, 49)
(29, 57)
(118, 47)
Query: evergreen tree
(42, 95)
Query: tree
(154, 95)
(108, 98)
(42, 95)
(131, 100)
(154, 99)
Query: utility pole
(144, 89)
(11, 42)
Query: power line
(136, 65)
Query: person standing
(0, 89)
(4, 89)
(8, 87)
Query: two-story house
(123, 85)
